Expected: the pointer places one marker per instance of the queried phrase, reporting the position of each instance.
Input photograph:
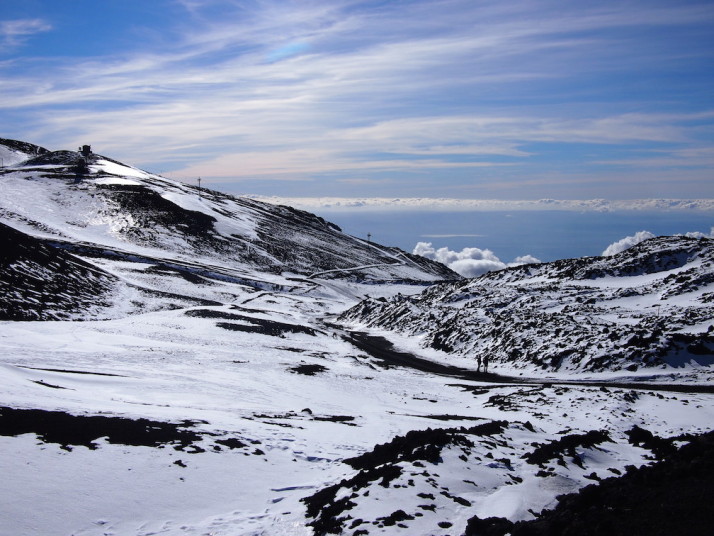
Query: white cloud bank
(469, 262)
(626, 243)
(641, 236)
(473, 262)
(449, 204)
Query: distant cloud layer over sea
(473, 236)
(446, 204)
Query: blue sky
(455, 98)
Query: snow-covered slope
(13, 151)
(40, 282)
(649, 306)
(170, 363)
(101, 203)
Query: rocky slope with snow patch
(42, 282)
(145, 231)
(96, 201)
(38, 282)
(649, 306)
(15, 151)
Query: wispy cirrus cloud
(461, 95)
(14, 33)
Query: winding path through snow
(383, 350)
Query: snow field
(250, 362)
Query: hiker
(478, 363)
(485, 363)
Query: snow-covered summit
(91, 204)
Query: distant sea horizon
(545, 234)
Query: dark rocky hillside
(668, 498)
(28, 149)
(649, 306)
(39, 282)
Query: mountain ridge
(648, 306)
(95, 206)
(141, 206)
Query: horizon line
(455, 204)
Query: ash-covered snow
(177, 368)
